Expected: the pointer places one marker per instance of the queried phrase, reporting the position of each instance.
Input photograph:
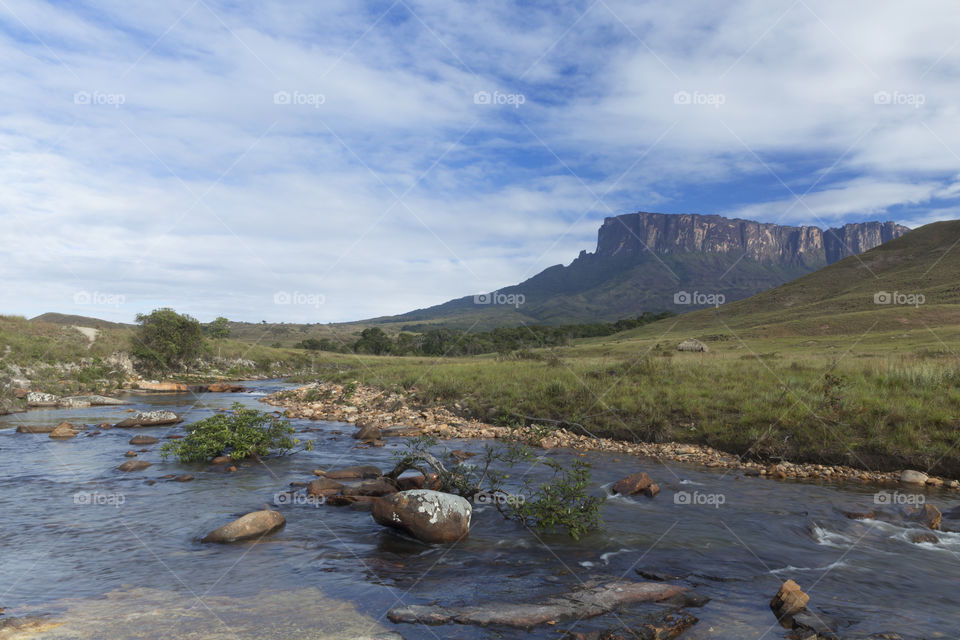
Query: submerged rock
(588, 602)
(323, 487)
(367, 432)
(377, 487)
(141, 440)
(636, 483)
(429, 516)
(252, 525)
(927, 515)
(351, 473)
(134, 465)
(41, 428)
(150, 419)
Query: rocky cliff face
(665, 234)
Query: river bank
(396, 414)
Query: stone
(160, 386)
(41, 428)
(142, 440)
(150, 419)
(134, 465)
(401, 431)
(924, 537)
(131, 454)
(221, 460)
(64, 431)
(634, 483)
(323, 487)
(790, 599)
(186, 477)
(377, 487)
(927, 515)
(429, 516)
(351, 473)
(367, 432)
(908, 476)
(692, 344)
(105, 426)
(252, 525)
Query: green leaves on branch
(244, 433)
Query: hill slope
(643, 260)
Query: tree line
(443, 341)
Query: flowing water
(115, 556)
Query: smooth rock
(323, 487)
(41, 428)
(150, 419)
(351, 473)
(134, 465)
(429, 516)
(908, 476)
(377, 487)
(634, 483)
(252, 525)
(927, 515)
(367, 432)
(141, 440)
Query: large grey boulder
(150, 419)
(429, 516)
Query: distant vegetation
(433, 341)
(167, 341)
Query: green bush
(241, 434)
(167, 340)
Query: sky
(327, 160)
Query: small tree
(219, 330)
(375, 341)
(167, 340)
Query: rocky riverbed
(385, 414)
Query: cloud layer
(369, 158)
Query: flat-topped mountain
(660, 262)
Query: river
(115, 556)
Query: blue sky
(368, 158)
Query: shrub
(167, 340)
(242, 434)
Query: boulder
(790, 599)
(692, 344)
(90, 401)
(252, 525)
(105, 426)
(351, 473)
(908, 476)
(133, 465)
(221, 460)
(150, 419)
(587, 602)
(64, 431)
(40, 428)
(418, 482)
(142, 440)
(161, 386)
(38, 399)
(635, 483)
(367, 432)
(376, 487)
(927, 515)
(323, 487)
(429, 516)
